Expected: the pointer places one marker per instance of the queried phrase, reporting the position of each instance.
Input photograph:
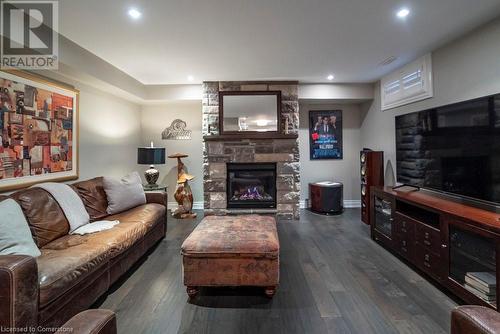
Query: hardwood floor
(334, 279)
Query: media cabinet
(446, 240)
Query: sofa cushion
(93, 196)
(15, 234)
(46, 219)
(147, 214)
(124, 193)
(233, 236)
(67, 261)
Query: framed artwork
(38, 130)
(325, 134)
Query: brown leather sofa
(471, 319)
(73, 271)
(91, 322)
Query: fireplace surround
(251, 185)
(280, 149)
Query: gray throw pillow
(15, 234)
(124, 194)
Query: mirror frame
(277, 93)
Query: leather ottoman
(232, 251)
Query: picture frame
(325, 134)
(39, 130)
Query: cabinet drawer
(404, 246)
(404, 225)
(429, 262)
(429, 238)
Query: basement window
(409, 84)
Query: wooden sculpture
(183, 194)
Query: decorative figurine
(183, 194)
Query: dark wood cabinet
(456, 245)
(382, 212)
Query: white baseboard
(348, 203)
(196, 205)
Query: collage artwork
(36, 130)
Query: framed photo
(38, 130)
(325, 134)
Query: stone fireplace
(280, 151)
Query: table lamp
(151, 156)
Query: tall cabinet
(456, 245)
(372, 174)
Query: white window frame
(420, 90)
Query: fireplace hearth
(251, 185)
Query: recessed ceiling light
(330, 77)
(402, 13)
(190, 78)
(134, 13)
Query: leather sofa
(73, 271)
(91, 322)
(471, 319)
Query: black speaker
(327, 197)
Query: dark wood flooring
(334, 279)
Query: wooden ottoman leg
(270, 291)
(192, 291)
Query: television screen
(454, 149)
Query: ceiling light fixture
(134, 13)
(330, 77)
(190, 78)
(403, 13)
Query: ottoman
(232, 251)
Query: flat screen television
(453, 149)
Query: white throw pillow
(124, 194)
(15, 234)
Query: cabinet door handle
(427, 264)
(426, 257)
(426, 235)
(426, 242)
(443, 246)
(403, 223)
(404, 243)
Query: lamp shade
(151, 155)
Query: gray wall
(464, 69)
(109, 134)
(154, 119)
(345, 170)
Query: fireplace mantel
(263, 135)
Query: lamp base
(151, 176)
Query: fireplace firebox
(251, 185)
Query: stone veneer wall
(284, 152)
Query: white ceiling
(266, 39)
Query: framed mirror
(250, 112)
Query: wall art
(325, 134)
(176, 131)
(39, 130)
